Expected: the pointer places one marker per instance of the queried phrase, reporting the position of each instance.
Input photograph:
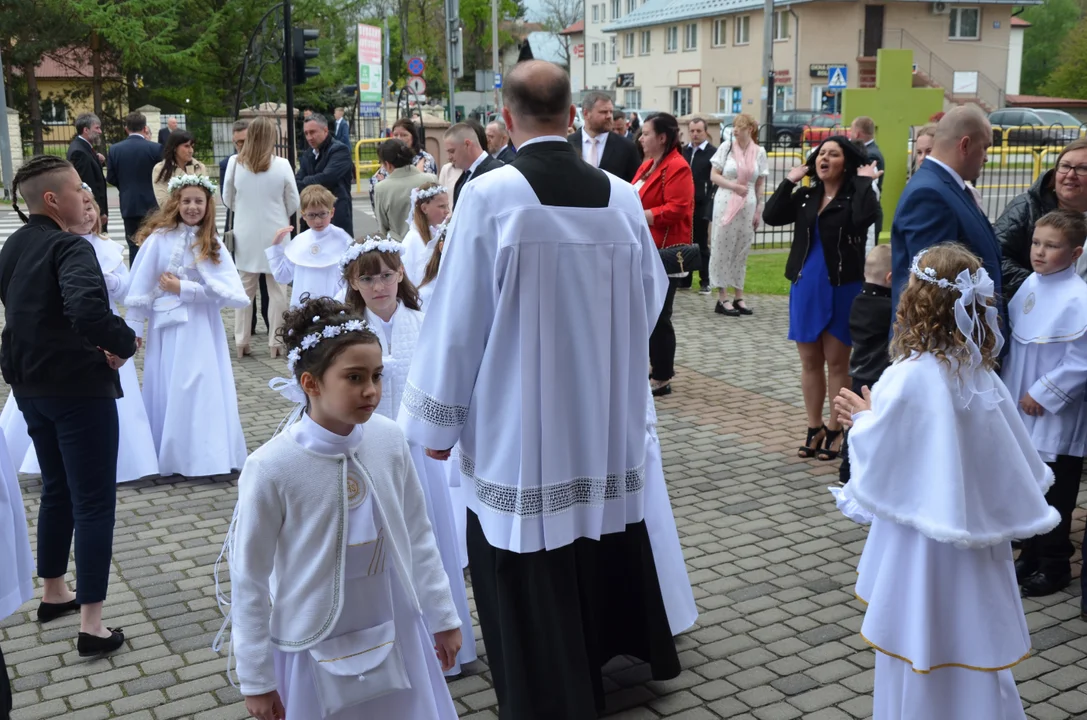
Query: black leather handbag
(681, 258)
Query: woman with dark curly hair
(826, 266)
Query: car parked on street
(1029, 126)
(821, 127)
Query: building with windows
(705, 56)
(601, 48)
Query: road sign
(837, 77)
(624, 80)
(498, 81)
(369, 109)
(416, 66)
(417, 85)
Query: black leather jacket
(1015, 230)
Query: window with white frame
(783, 98)
(614, 48)
(596, 13)
(54, 112)
(690, 36)
(743, 30)
(781, 25)
(632, 5)
(628, 45)
(671, 39)
(632, 98)
(730, 100)
(965, 23)
(681, 101)
(719, 33)
(596, 53)
(646, 44)
(616, 9)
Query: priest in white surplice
(534, 358)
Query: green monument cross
(894, 105)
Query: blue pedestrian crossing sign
(498, 81)
(837, 77)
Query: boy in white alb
(311, 261)
(1046, 373)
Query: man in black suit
(129, 170)
(464, 151)
(598, 145)
(697, 153)
(327, 162)
(498, 142)
(863, 130)
(620, 126)
(88, 161)
(164, 133)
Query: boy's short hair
(1071, 225)
(878, 261)
(317, 196)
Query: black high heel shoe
(813, 443)
(52, 611)
(92, 646)
(825, 453)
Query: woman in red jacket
(666, 187)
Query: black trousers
(843, 470)
(1053, 551)
(76, 442)
(263, 305)
(700, 236)
(132, 226)
(5, 690)
(662, 343)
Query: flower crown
(176, 183)
(421, 196)
(313, 339)
(370, 244)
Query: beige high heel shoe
(243, 350)
(275, 351)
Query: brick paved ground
(771, 560)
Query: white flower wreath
(370, 244)
(176, 183)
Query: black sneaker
(704, 290)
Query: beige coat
(392, 199)
(195, 167)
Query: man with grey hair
(598, 145)
(164, 133)
(88, 161)
(464, 151)
(498, 141)
(328, 163)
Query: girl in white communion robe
(945, 472)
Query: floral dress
(729, 245)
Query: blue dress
(815, 305)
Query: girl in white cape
(430, 208)
(330, 523)
(379, 291)
(136, 454)
(945, 472)
(181, 280)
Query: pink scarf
(746, 162)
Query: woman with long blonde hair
(260, 188)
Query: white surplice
(1048, 360)
(188, 381)
(136, 457)
(945, 471)
(536, 365)
(311, 263)
(399, 338)
(16, 560)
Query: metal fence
(1019, 156)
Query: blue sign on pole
(837, 77)
(498, 80)
(369, 109)
(416, 66)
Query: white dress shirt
(587, 142)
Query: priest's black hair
(313, 315)
(35, 167)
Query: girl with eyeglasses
(379, 291)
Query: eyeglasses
(310, 217)
(85, 186)
(1079, 170)
(371, 281)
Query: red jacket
(668, 192)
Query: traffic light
(301, 55)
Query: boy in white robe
(946, 474)
(1046, 371)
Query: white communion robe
(311, 263)
(944, 470)
(136, 457)
(1048, 360)
(16, 559)
(188, 380)
(399, 338)
(417, 253)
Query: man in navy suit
(129, 170)
(343, 128)
(936, 205)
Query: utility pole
(454, 53)
(385, 91)
(5, 138)
(768, 67)
(288, 74)
(494, 52)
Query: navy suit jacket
(343, 131)
(129, 170)
(933, 210)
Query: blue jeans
(76, 442)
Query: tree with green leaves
(1050, 24)
(1066, 80)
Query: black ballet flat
(720, 309)
(94, 646)
(825, 453)
(813, 443)
(742, 309)
(665, 389)
(52, 611)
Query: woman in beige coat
(392, 196)
(177, 160)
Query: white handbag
(358, 667)
(169, 311)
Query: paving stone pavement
(771, 560)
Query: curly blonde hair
(925, 321)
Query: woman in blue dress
(826, 266)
